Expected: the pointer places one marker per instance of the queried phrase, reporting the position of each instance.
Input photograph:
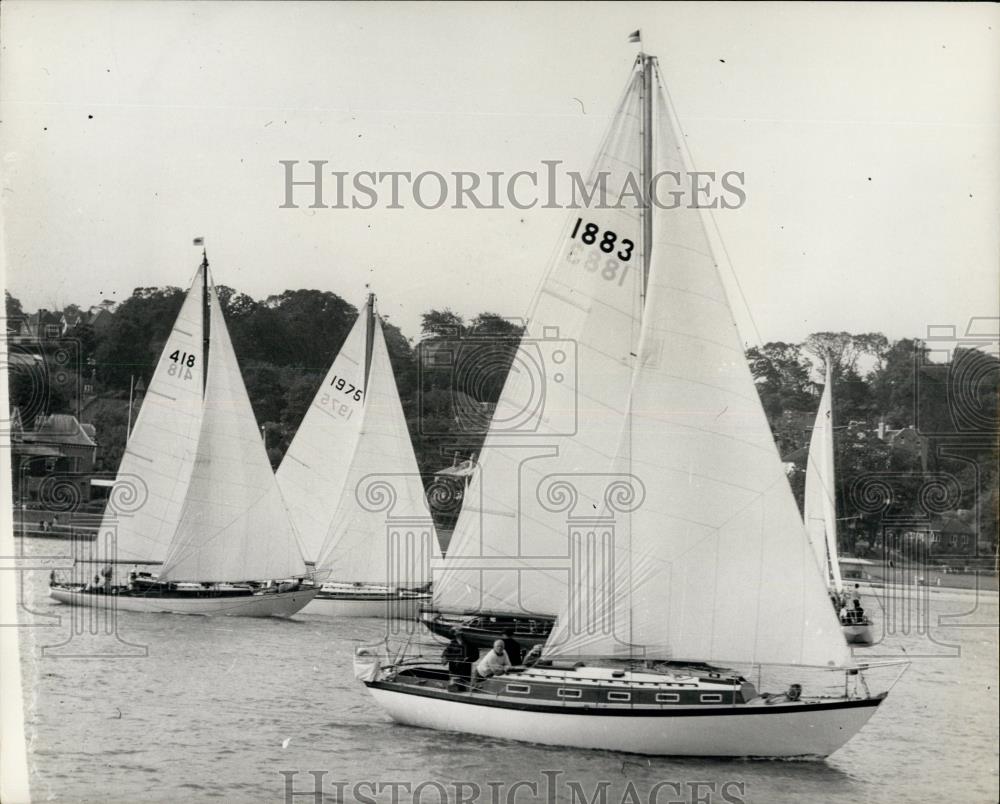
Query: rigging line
(682, 142)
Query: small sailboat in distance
(696, 560)
(205, 515)
(355, 433)
(820, 514)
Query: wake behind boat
(693, 546)
(205, 509)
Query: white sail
(234, 525)
(314, 469)
(561, 407)
(156, 465)
(820, 501)
(714, 564)
(368, 542)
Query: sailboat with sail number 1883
(697, 570)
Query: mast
(128, 426)
(206, 319)
(832, 543)
(369, 335)
(647, 64)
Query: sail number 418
(182, 364)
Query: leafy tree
(440, 323)
(781, 373)
(13, 305)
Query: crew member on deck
(454, 656)
(494, 663)
(511, 646)
(793, 694)
(533, 656)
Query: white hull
(382, 608)
(860, 634)
(342, 599)
(272, 604)
(810, 733)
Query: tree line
(450, 380)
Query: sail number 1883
(590, 234)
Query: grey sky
(868, 134)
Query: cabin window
(564, 693)
(519, 689)
(619, 696)
(711, 698)
(667, 697)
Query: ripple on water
(205, 714)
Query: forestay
(381, 531)
(234, 525)
(156, 466)
(314, 469)
(714, 564)
(563, 402)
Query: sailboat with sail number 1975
(699, 560)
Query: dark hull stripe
(624, 711)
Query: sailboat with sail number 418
(203, 514)
(695, 574)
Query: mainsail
(711, 563)
(156, 466)
(820, 500)
(381, 530)
(561, 407)
(233, 525)
(314, 470)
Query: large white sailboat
(695, 558)
(207, 520)
(354, 442)
(820, 513)
(559, 414)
